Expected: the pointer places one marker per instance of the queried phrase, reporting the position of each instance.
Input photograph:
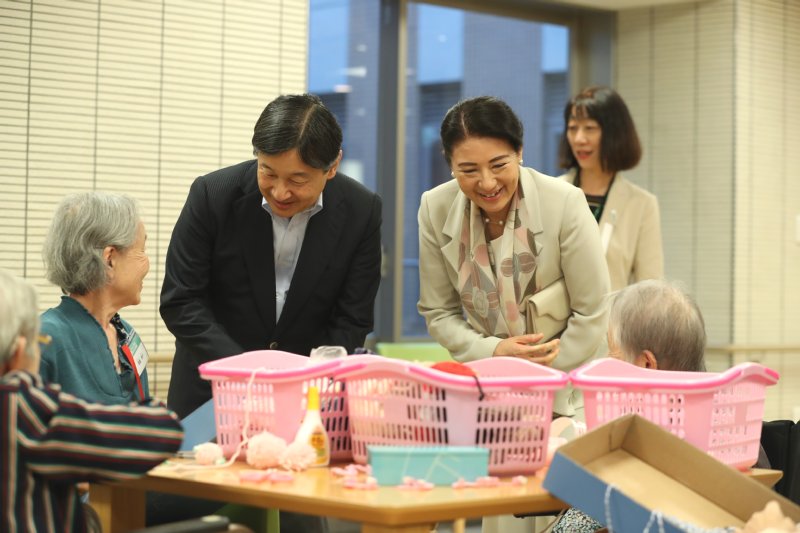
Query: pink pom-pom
(298, 456)
(264, 450)
(208, 453)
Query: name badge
(139, 352)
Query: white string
(245, 426)
(658, 517)
(247, 408)
(607, 502)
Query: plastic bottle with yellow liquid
(312, 430)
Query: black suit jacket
(218, 297)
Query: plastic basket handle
(756, 370)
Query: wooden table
(318, 492)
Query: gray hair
(661, 317)
(83, 226)
(19, 315)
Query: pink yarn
(208, 453)
(489, 482)
(256, 476)
(298, 456)
(351, 470)
(370, 483)
(410, 483)
(351, 473)
(271, 475)
(264, 450)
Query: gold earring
(452, 174)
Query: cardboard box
(652, 472)
(440, 465)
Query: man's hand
(525, 346)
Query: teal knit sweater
(78, 358)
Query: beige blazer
(630, 230)
(567, 244)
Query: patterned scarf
(494, 306)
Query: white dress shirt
(287, 241)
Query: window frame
(591, 43)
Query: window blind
(138, 97)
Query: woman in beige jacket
(599, 141)
(499, 233)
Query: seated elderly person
(55, 439)
(95, 252)
(652, 324)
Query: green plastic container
(440, 465)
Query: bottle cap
(313, 398)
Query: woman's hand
(525, 346)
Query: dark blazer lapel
(319, 246)
(254, 228)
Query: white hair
(83, 226)
(19, 315)
(661, 317)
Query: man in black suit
(281, 252)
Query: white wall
(713, 89)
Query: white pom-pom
(298, 456)
(208, 453)
(264, 450)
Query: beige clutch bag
(548, 310)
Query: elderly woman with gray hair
(95, 252)
(655, 324)
(652, 324)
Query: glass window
(452, 54)
(343, 71)
(455, 54)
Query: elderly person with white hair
(655, 324)
(52, 440)
(95, 252)
(652, 324)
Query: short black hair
(482, 116)
(620, 148)
(302, 122)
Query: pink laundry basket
(507, 409)
(719, 413)
(277, 397)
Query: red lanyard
(129, 357)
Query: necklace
(488, 220)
